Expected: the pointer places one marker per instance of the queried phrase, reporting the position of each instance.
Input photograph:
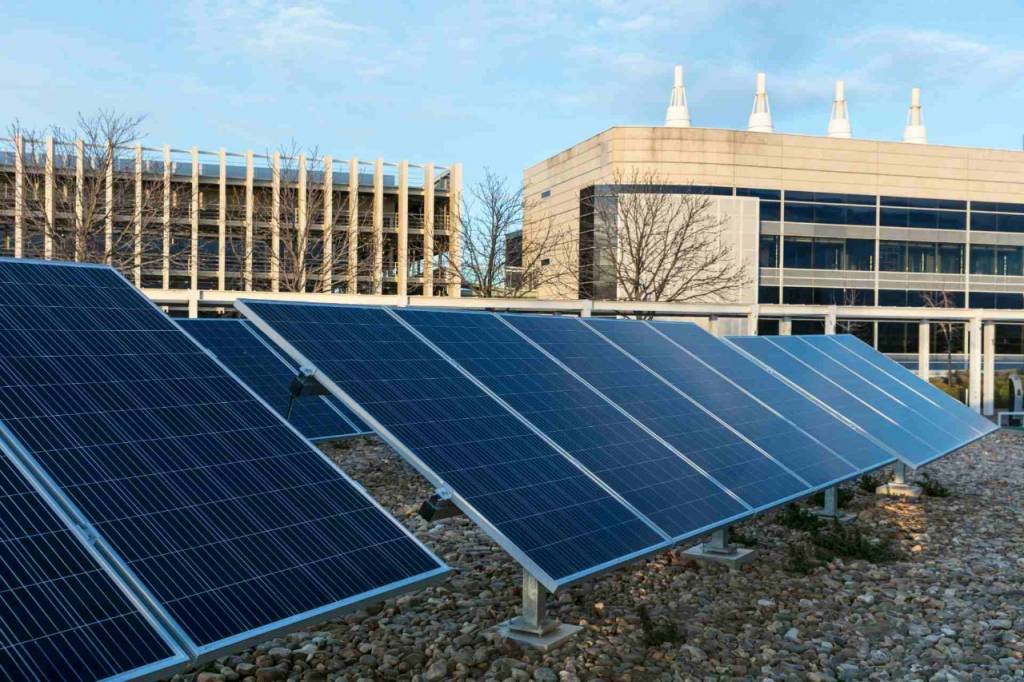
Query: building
(838, 220)
(201, 221)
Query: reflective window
(951, 258)
(860, 254)
(983, 259)
(892, 257)
(798, 252)
(921, 257)
(767, 294)
(828, 254)
(769, 255)
(1009, 260)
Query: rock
(545, 675)
(210, 677)
(792, 635)
(438, 670)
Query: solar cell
(62, 615)
(245, 353)
(235, 525)
(853, 446)
(672, 415)
(940, 440)
(792, 448)
(658, 482)
(948, 403)
(549, 513)
(884, 429)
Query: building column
(137, 219)
(249, 218)
(166, 259)
(353, 226)
(428, 229)
(403, 228)
(924, 356)
(79, 200)
(48, 199)
(194, 236)
(974, 346)
(275, 223)
(302, 238)
(988, 360)
(222, 222)
(19, 195)
(713, 325)
(752, 321)
(108, 224)
(327, 231)
(378, 226)
(830, 321)
(454, 230)
(785, 326)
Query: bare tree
(660, 245)
(81, 199)
(854, 327)
(502, 256)
(948, 331)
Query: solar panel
(552, 515)
(948, 403)
(241, 348)
(899, 441)
(939, 440)
(673, 416)
(808, 459)
(852, 445)
(231, 522)
(657, 481)
(62, 616)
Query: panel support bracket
(439, 506)
(830, 510)
(898, 486)
(533, 628)
(720, 549)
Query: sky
(504, 85)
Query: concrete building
(837, 220)
(200, 221)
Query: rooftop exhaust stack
(678, 113)
(760, 116)
(914, 132)
(839, 122)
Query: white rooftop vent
(678, 113)
(760, 116)
(839, 121)
(914, 132)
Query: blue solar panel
(547, 512)
(948, 403)
(233, 523)
(236, 344)
(792, 448)
(852, 445)
(62, 616)
(654, 479)
(680, 421)
(899, 441)
(939, 440)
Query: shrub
(932, 488)
(869, 483)
(798, 518)
(850, 542)
(845, 496)
(799, 559)
(658, 633)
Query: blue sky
(505, 84)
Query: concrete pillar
(752, 321)
(79, 200)
(378, 226)
(924, 356)
(108, 223)
(353, 225)
(428, 229)
(830, 321)
(785, 326)
(988, 359)
(222, 222)
(194, 236)
(327, 234)
(19, 196)
(275, 223)
(403, 228)
(48, 198)
(166, 259)
(454, 230)
(193, 304)
(301, 243)
(249, 218)
(974, 346)
(137, 219)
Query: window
(545, 194)
(767, 294)
(798, 295)
(798, 252)
(951, 258)
(920, 257)
(860, 254)
(769, 255)
(828, 254)
(983, 259)
(892, 256)
(897, 337)
(1009, 260)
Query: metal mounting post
(898, 486)
(533, 628)
(830, 509)
(721, 549)
(439, 506)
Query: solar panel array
(679, 430)
(251, 356)
(227, 522)
(913, 419)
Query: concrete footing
(720, 550)
(894, 489)
(550, 639)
